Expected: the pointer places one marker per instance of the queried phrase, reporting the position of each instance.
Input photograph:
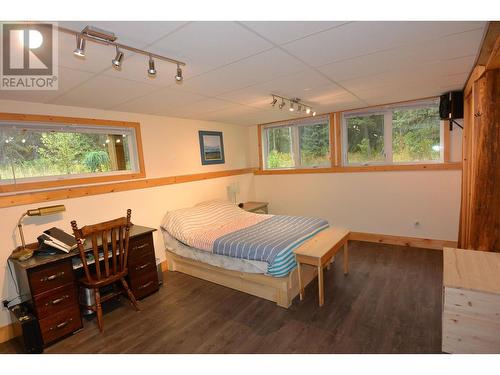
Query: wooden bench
(318, 252)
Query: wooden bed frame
(281, 290)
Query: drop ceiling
(232, 67)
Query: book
(59, 239)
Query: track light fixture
(108, 38)
(80, 46)
(295, 104)
(178, 76)
(117, 61)
(151, 67)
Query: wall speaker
(451, 105)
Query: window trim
(80, 180)
(294, 125)
(386, 111)
(337, 135)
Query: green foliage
(314, 144)
(414, 134)
(65, 150)
(97, 161)
(366, 138)
(276, 159)
(26, 154)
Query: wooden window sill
(368, 168)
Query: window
(47, 151)
(409, 133)
(302, 143)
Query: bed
(219, 242)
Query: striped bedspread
(222, 228)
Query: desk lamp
(42, 211)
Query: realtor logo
(29, 56)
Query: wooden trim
(164, 266)
(7, 333)
(24, 186)
(446, 143)
(331, 129)
(10, 188)
(477, 72)
(82, 191)
(368, 168)
(281, 290)
(259, 137)
(425, 243)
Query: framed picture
(211, 147)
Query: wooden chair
(115, 269)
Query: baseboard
(425, 243)
(7, 333)
(164, 266)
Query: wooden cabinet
(142, 272)
(48, 284)
(471, 301)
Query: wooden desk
(48, 283)
(471, 301)
(318, 251)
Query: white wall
(170, 148)
(374, 202)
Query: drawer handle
(57, 300)
(61, 325)
(141, 246)
(52, 277)
(145, 285)
(141, 267)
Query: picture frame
(211, 147)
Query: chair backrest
(115, 233)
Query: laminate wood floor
(389, 303)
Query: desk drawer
(50, 276)
(140, 246)
(61, 324)
(53, 301)
(144, 285)
(141, 266)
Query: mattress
(221, 228)
(229, 263)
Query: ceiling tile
(280, 32)
(159, 100)
(197, 107)
(68, 79)
(293, 85)
(130, 32)
(250, 71)
(208, 45)
(103, 92)
(362, 38)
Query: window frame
(47, 182)
(386, 110)
(295, 150)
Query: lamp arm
(20, 228)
